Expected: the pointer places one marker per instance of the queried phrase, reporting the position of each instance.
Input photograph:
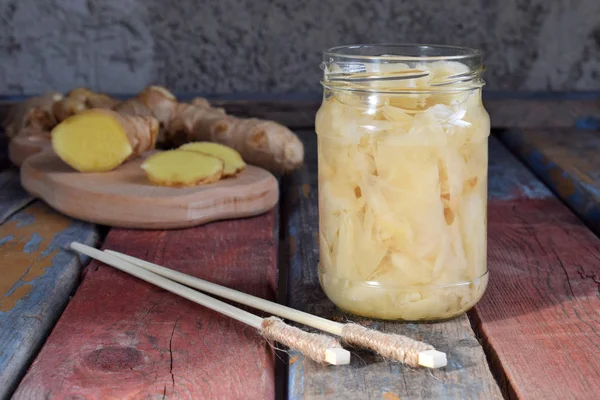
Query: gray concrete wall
(274, 46)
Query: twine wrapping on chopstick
(312, 345)
(320, 348)
(391, 346)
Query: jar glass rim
(406, 51)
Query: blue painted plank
(36, 279)
(567, 161)
(508, 180)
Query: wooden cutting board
(125, 198)
(20, 148)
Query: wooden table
(79, 330)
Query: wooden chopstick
(321, 348)
(393, 346)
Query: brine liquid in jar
(403, 159)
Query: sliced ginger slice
(100, 140)
(232, 159)
(182, 168)
(94, 143)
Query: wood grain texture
(541, 112)
(369, 376)
(125, 197)
(295, 114)
(567, 161)
(540, 316)
(36, 279)
(122, 338)
(505, 111)
(516, 109)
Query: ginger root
(263, 143)
(134, 107)
(178, 168)
(203, 103)
(232, 160)
(100, 140)
(200, 102)
(154, 101)
(81, 99)
(160, 101)
(33, 114)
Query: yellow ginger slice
(232, 159)
(100, 140)
(180, 168)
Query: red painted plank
(124, 339)
(37, 277)
(540, 317)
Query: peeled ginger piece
(181, 168)
(100, 140)
(232, 159)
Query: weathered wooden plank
(567, 161)
(541, 112)
(507, 109)
(36, 279)
(539, 319)
(295, 114)
(293, 110)
(123, 338)
(12, 196)
(522, 110)
(369, 376)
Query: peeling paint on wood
(27, 250)
(516, 182)
(36, 279)
(567, 161)
(123, 338)
(539, 318)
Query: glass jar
(403, 157)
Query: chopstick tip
(432, 359)
(337, 356)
